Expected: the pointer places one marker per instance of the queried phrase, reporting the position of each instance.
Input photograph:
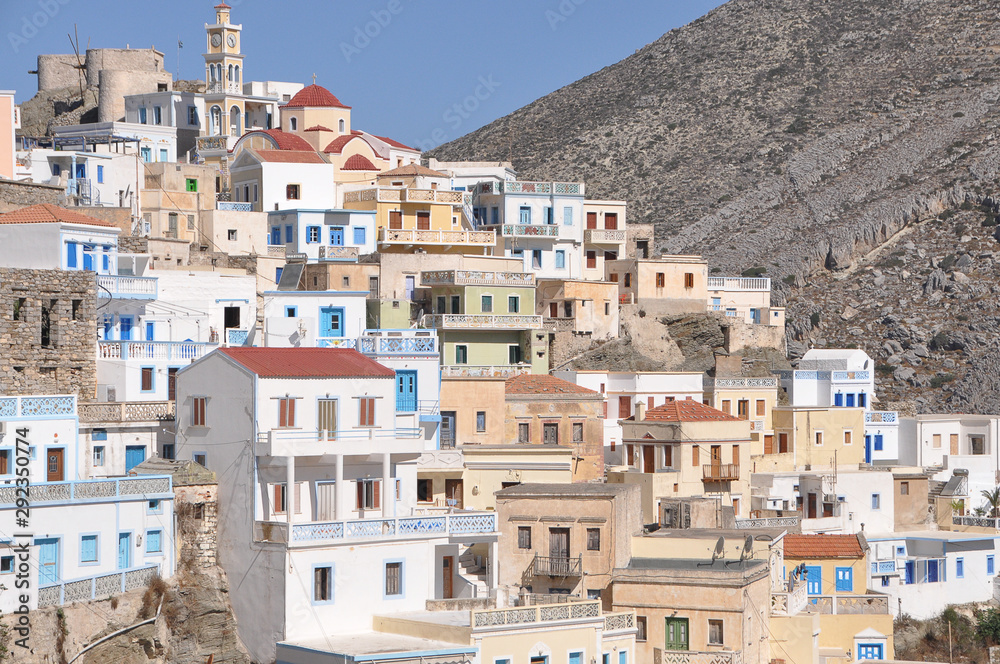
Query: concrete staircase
(472, 568)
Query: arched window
(215, 118)
(234, 121)
(237, 79)
(211, 73)
(293, 124)
(343, 126)
(230, 73)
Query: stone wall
(132, 244)
(740, 335)
(48, 332)
(16, 195)
(197, 508)
(57, 71)
(119, 216)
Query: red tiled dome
(358, 162)
(287, 141)
(314, 96)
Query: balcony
(790, 603)
(461, 525)
(603, 236)
(109, 490)
(127, 411)
(476, 278)
(524, 187)
(542, 613)
(739, 284)
(445, 238)
(126, 287)
(786, 522)
(233, 207)
(976, 521)
(663, 656)
(482, 321)
(153, 350)
(210, 143)
(850, 376)
(236, 337)
(276, 250)
(97, 587)
(223, 87)
(881, 417)
(483, 371)
(402, 342)
(559, 324)
(401, 195)
(303, 442)
(745, 383)
(338, 253)
(884, 567)
(850, 604)
(557, 566)
(37, 406)
(529, 230)
(720, 472)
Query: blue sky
(422, 72)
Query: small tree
(988, 626)
(993, 500)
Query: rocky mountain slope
(795, 139)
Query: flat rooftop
(736, 534)
(445, 618)
(377, 645)
(554, 489)
(940, 535)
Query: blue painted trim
(381, 657)
(145, 537)
(402, 574)
(154, 510)
(97, 549)
(232, 299)
(333, 584)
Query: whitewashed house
(845, 378)
(48, 237)
(85, 539)
(317, 488)
(924, 572)
(283, 179)
(310, 319)
(540, 223)
(323, 234)
(622, 390)
(154, 143)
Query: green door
(676, 634)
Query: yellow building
(814, 438)
(855, 623)
(685, 448)
(175, 198)
(748, 398)
(673, 283)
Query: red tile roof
(336, 146)
(319, 128)
(395, 144)
(314, 96)
(412, 170)
(687, 410)
(285, 140)
(359, 162)
(823, 546)
(308, 363)
(543, 384)
(290, 156)
(46, 213)
(222, 5)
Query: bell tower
(225, 112)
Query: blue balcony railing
(472, 523)
(100, 586)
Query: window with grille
(393, 579)
(577, 432)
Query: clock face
(232, 41)
(216, 39)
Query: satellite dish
(720, 549)
(747, 552)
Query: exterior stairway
(473, 568)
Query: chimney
(640, 411)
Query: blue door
(850, 401)
(868, 449)
(81, 171)
(126, 328)
(48, 561)
(337, 237)
(814, 579)
(124, 550)
(134, 455)
(88, 258)
(869, 651)
(276, 235)
(576, 658)
(406, 391)
(411, 285)
(150, 331)
(755, 316)
(331, 322)
(838, 399)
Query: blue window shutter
(568, 216)
(990, 567)
(850, 401)
(153, 541)
(359, 236)
(88, 549)
(288, 234)
(71, 254)
(277, 274)
(560, 259)
(838, 399)
(845, 580)
(878, 442)
(100, 174)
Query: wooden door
(953, 439)
(768, 443)
(611, 221)
(811, 513)
(553, 309)
(54, 465)
(716, 456)
(591, 220)
(736, 506)
(447, 576)
(395, 220)
(559, 548)
(423, 221)
(648, 458)
(172, 384)
(624, 407)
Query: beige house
(672, 283)
(175, 198)
(565, 538)
(745, 298)
(750, 398)
(814, 438)
(584, 308)
(604, 236)
(545, 410)
(685, 448)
